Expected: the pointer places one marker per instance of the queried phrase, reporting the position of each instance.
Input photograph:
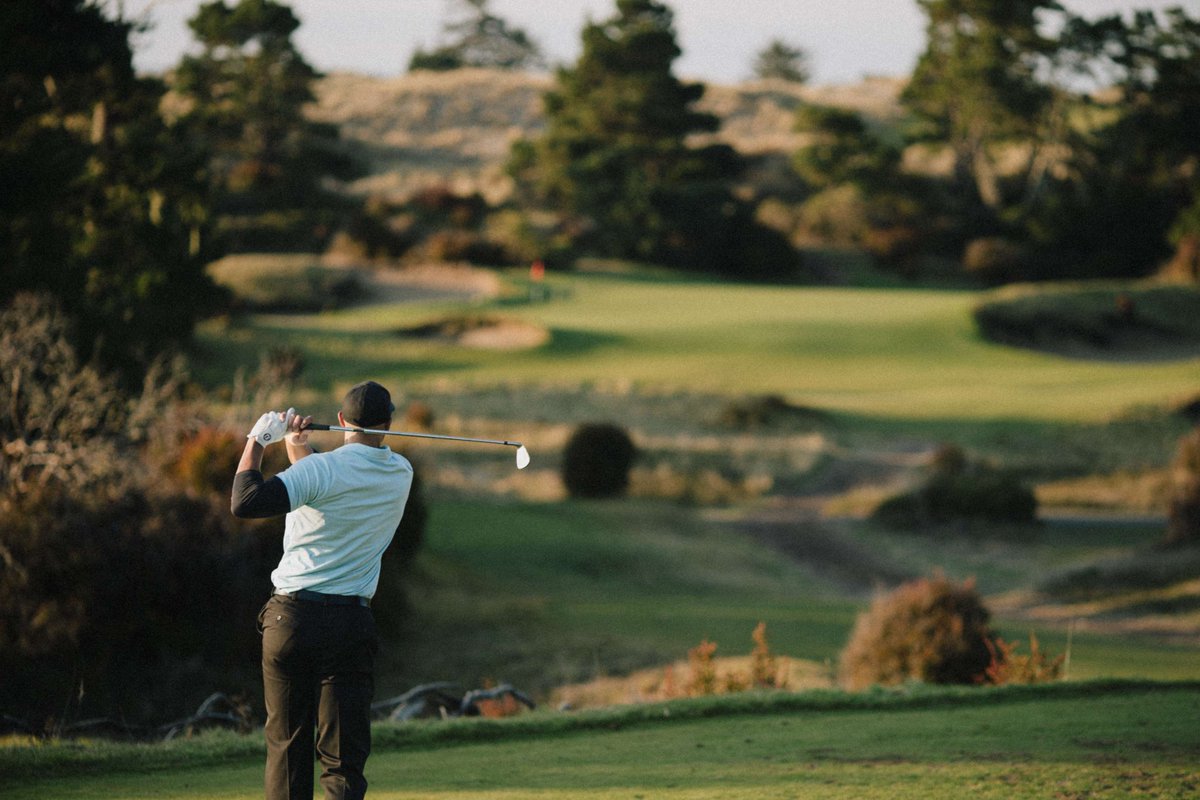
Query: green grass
(546, 594)
(540, 595)
(1094, 740)
(908, 354)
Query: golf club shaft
(316, 426)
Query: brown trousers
(318, 664)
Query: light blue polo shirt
(346, 505)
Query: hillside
(457, 126)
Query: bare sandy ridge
(455, 128)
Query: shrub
(145, 600)
(1009, 666)
(110, 581)
(958, 490)
(597, 460)
(459, 245)
(1103, 316)
(208, 459)
(838, 216)
(704, 677)
(419, 416)
(893, 245)
(1183, 521)
(760, 411)
(698, 487)
(929, 630)
(55, 408)
(765, 672)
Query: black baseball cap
(367, 404)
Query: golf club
(522, 453)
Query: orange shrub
(930, 630)
(1009, 666)
(703, 679)
(208, 459)
(764, 672)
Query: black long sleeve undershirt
(256, 498)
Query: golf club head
(522, 457)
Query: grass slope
(1093, 740)
(910, 354)
(541, 595)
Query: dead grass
(1148, 491)
(665, 682)
(456, 128)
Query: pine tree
(616, 156)
(103, 204)
(247, 90)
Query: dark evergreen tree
(247, 90)
(976, 85)
(843, 150)
(103, 204)
(616, 156)
(1136, 178)
(480, 39)
(781, 61)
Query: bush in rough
(957, 489)
(1009, 666)
(115, 593)
(931, 630)
(597, 460)
(207, 460)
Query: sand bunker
(481, 332)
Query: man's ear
(342, 421)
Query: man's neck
(368, 439)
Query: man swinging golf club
(319, 638)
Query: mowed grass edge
(28, 764)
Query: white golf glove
(271, 427)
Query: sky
(845, 40)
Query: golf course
(475, 415)
(587, 604)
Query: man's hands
(298, 430)
(272, 426)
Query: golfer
(319, 638)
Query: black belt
(327, 599)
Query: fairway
(1102, 741)
(910, 354)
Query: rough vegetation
(959, 490)
(932, 630)
(597, 459)
(1116, 320)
